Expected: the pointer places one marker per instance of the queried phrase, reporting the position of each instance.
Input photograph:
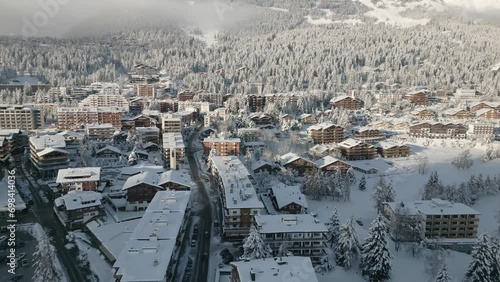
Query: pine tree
(362, 183)
(433, 188)
(326, 263)
(443, 275)
(348, 246)
(375, 254)
(383, 193)
(283, 250)
(333, 228)
(254, 247)
(484, 265)
(43, 258)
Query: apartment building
(418, 98)
(357, 150)
(256, 102)
(424, 114)
(16, 140)
(439, 218)
(325, 133)
(458, 114)
(393, 150)
(481, 130)
(76, 118)
(185, 95)
(173, 149)
(20, 117)
(368, 134)
(146, 90)
(77, 208)
(249, 134)
(296, 163)
(438, 130)
(142, 73)
(488, 114)
(297, 269)
(132, 122)
(224, 146)
(476, 106)
(153, 247)
(289, 98)
(171, 124)
(148, 134)
(105, 100)
(78, 179)
(48, 154)
(214, 98)
(103, 131)
(261, 119)
(165, 106)
(239, 199)
(346, 102)
(303, 234)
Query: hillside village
(226, 181)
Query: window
(455, 216)
(235, 212)
(269, 236)
(471, 222)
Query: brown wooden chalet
(325, 133)
(438, 130)
(488, 114)
(288, 199)
(458, 114)
(357, 150)
(420, 98)
(140, 190)
(391, 150)
(307, 119)
(261, 119)
(331, 164)
(131, 123)
(484, 105)
(424, 114)
(346, 102)
(369, 135)
(296, 163)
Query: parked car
(205, 234)
(193, 243)
(25, 263)
(359, 222)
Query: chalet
(418, 98)
(488, 113)
(307, 119)
(80, 179)
(263, 166)
(150, 147)
(458, 114)
(392, 150)
(48, 154)
(319, 150)
(286, 118)
(297, 163)
(368, 134)
(423, 114)
(148, 134)
(331, 164)
(346, 102)
(109, 152)
(288, 199)
(77, 208)
(265, 270)
(179, 180)
(438, 130)
(474, 107)
(325, 133)
(249, 133)
(357, 150)
(131, 123)
(261, 119)
(140, 190)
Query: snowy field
(408, 186)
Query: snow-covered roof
(283, 268)
(338, 98)
(138, 168)
(238, 189)
(76, 200)
(173, 140)
(286, 195)
(258, 164)
(289, 223)
(453, 111)
(322, 126)
(89, 110)
(222, 140)
(437, 207)
(70, 134)
(483, 111)
(147, 253)
(288, 158)
(82, 174)
(51, 150)
(180, 176)
(348, 143)
(388, 145)
(417, 111)
(45, 141)
(144, 130)
(109, 148)
(146, 177)
(113, 235)
(327, 160)
(99, 126)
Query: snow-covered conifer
(254, 247)
(375, 255)
(348, 246)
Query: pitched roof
(286, 195)
(348, 143)
(181, 177)
(79, 199)
(146, 177)
(51, 150)
(110, 148)
(327, 160)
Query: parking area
(26, 246)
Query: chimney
(252, 274)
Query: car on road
(193, 243)
(359, 222)
(205, 256)
(205, 234)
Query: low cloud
(64, 18)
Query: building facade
(325, 133)
(20, 117)
(76, 118)
(224, 146)
(357, 150)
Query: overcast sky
(85, 17)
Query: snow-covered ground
(36, 230)
(97, 262)
(408, 186)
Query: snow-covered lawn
(97, 262)
(408, 186)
